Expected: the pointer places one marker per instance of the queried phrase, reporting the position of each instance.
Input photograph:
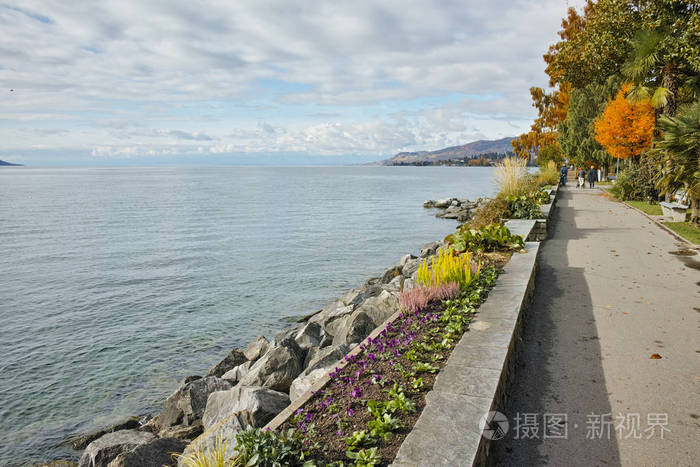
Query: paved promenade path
(609, 294)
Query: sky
(169, 81)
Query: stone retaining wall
(473, 383)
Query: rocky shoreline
(459, 209)
(250, 386)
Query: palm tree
(654, 78)
(680, 146)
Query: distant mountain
(9, 164)
(472, 149)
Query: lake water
(115, 283)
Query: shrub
(266, 447)
(524, 207)
(415, 299)
(510, 174)
(418, 298)
(447, 268)
(635, 183)
(490, 213)
(549, 174)
(490, 238)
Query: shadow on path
(558, 368)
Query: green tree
(576, 135)
(665, 52)
(593, 46)
(680, 148)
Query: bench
(675, 211)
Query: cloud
(190, 136)
(332, 77)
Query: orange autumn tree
(625, 129)
(551, 109)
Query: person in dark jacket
(564, 172)
(581, 175)
(592, 177)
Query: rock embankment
(459, 209)
(252, 385)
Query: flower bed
(370, 405)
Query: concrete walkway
(609, 294)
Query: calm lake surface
(118, 282)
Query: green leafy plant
(364, 457)
(360, 439)
(422, 367)
(384, 426)
(266, 447)
(524, 207)
(541, 196)
(489, 238)
(398, 401)
(417, 384)
(376, 408)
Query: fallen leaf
(655, 356)
(624, 312)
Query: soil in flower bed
(398, 355)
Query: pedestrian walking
(592, 177)
(581, 175)
(564, 172)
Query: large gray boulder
(81, 441)
(253, 405)
(396, 284)
(305, 382)
(289, 332)
(322, 358)
(429, 249)
(156, 453)
(373, 312)
(224, 431)
(236, 374)
(256, 348)
(404, 260)
(184, 432)
(330, 317)
(356, 296)
(186, 405)
(355, 328)
(390, 274)
(103, 450)
(232, 360)
(311, 335)
(411, 267)
(443, 203)
(278, 367)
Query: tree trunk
(669, 80)
(695, 204)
